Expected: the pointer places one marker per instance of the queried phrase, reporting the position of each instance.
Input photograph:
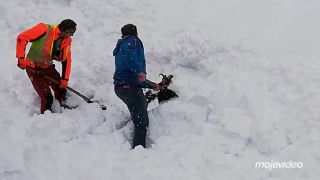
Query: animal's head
(166, 80)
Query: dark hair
(129, 29)
(67, 24)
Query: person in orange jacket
(48, 42)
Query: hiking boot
(63, 104)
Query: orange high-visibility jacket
(42, 36)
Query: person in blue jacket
(130, 78)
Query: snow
(247, 75)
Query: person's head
(67, 27)
(129, 30)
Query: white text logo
(278, 165)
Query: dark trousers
(137, 105)
(43, 85)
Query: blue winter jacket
(129, 62)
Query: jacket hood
(119, 43)
(116, 49)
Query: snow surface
(247, 72)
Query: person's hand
(24, 63)
(141, 77)
(63, 83)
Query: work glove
(63, 83)
(24, 63)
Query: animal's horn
(163, 76)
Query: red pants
(43, 85)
